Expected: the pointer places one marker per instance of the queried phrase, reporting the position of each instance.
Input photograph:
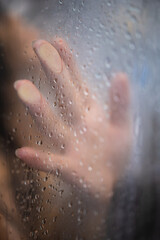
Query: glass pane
(84, 117)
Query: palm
(85, 145)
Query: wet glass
(87, 178)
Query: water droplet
(85, 185)
(50, 134)
(84, 129)
(54, 219)
(61, 193)
(43, 189)
(57, 172)
(62, 146)
(116, 98)
(128, 35)
(81, 131)
(132, 45)
(138, 35)
(69, 204)
(44, 221)
(108, 63)
(86, 92)
(75, 134)
(109, 3)
(39, 142)
(98, 75)
(55, 80)
(81, 163)
(14, 130)
(89, 168)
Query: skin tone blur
(88, 148)
(85, 141)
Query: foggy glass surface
(105, 37)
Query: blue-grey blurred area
(118, 35)
(107, 37)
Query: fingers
(60, 77)
(68, 58)
(38, 159)
(48, 55)
(40, 110)
(119, 100)
(65, 53)
(43, 161)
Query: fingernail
(49, 54)
(17, 153)
(27, 92)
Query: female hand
(85, 145)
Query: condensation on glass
(105, 37)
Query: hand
(85, 146)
